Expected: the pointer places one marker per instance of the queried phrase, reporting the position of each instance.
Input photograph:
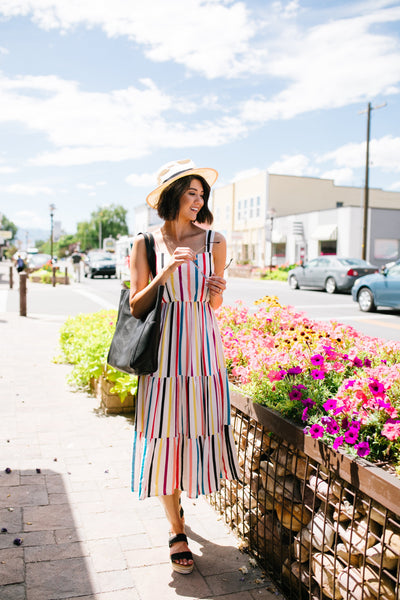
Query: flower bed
(84, 342)
(343, 387)
(46, 276)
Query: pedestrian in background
(183, 437)
(76, 263)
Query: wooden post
(22, 294)
(11, 278)
(54, 277)
(66, 275)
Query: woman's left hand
(216, 285)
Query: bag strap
(151, 253)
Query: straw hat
(175, 170)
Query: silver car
(330, 273)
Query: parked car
(99, 263)
(330, 273)
(381, 289)
(36, 261)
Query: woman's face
(192, 200)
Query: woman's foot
(181, 557)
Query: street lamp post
(52, 208)
(270, 222)
(100, 231)
(366, 185)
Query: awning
(278, 237)
(325, 232)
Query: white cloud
(329, 66)
(297, 164)
(142, 180)
(28, 219)
(85, 127)
(3, 51)
(343, 176)
(5, 169)
(395, 187)
(384, 154)
(245, 174)
(85, 186)
(22, 189)
(208, 36)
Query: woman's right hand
(181, 255)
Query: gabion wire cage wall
(323, 525)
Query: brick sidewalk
(85, 535)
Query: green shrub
(84, 342)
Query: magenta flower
(318, 374)
(338, 442)
(350, 383)
(304, 415)
(332, 427)
(345, 423)
(376, 387)
(330, 404)
(294, 371)
(351, 436)
(317, 360)
(308, 403)
(367, 362)
(357, 362)
(295, 393)
(316, 431)
(362, 448)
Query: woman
(183, 438)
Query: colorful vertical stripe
(183, 438)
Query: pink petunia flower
(391, 430)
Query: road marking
(98, 299)
(321, 305)
(376, 322)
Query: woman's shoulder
(216, 236)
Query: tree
(65, 244)
(7, 225)
(109, 221)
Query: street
(384, 323)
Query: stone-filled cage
(322, 524)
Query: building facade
(272, 219)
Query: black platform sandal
(176, 566)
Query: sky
(97, 95)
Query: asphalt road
(384, 323)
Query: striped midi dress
(183, 438)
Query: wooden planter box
(37, 279)
(111, 403)
(323, 524)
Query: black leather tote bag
(134, 347)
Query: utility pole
(366, 185)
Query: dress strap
(209, 239)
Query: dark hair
(169, 201)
